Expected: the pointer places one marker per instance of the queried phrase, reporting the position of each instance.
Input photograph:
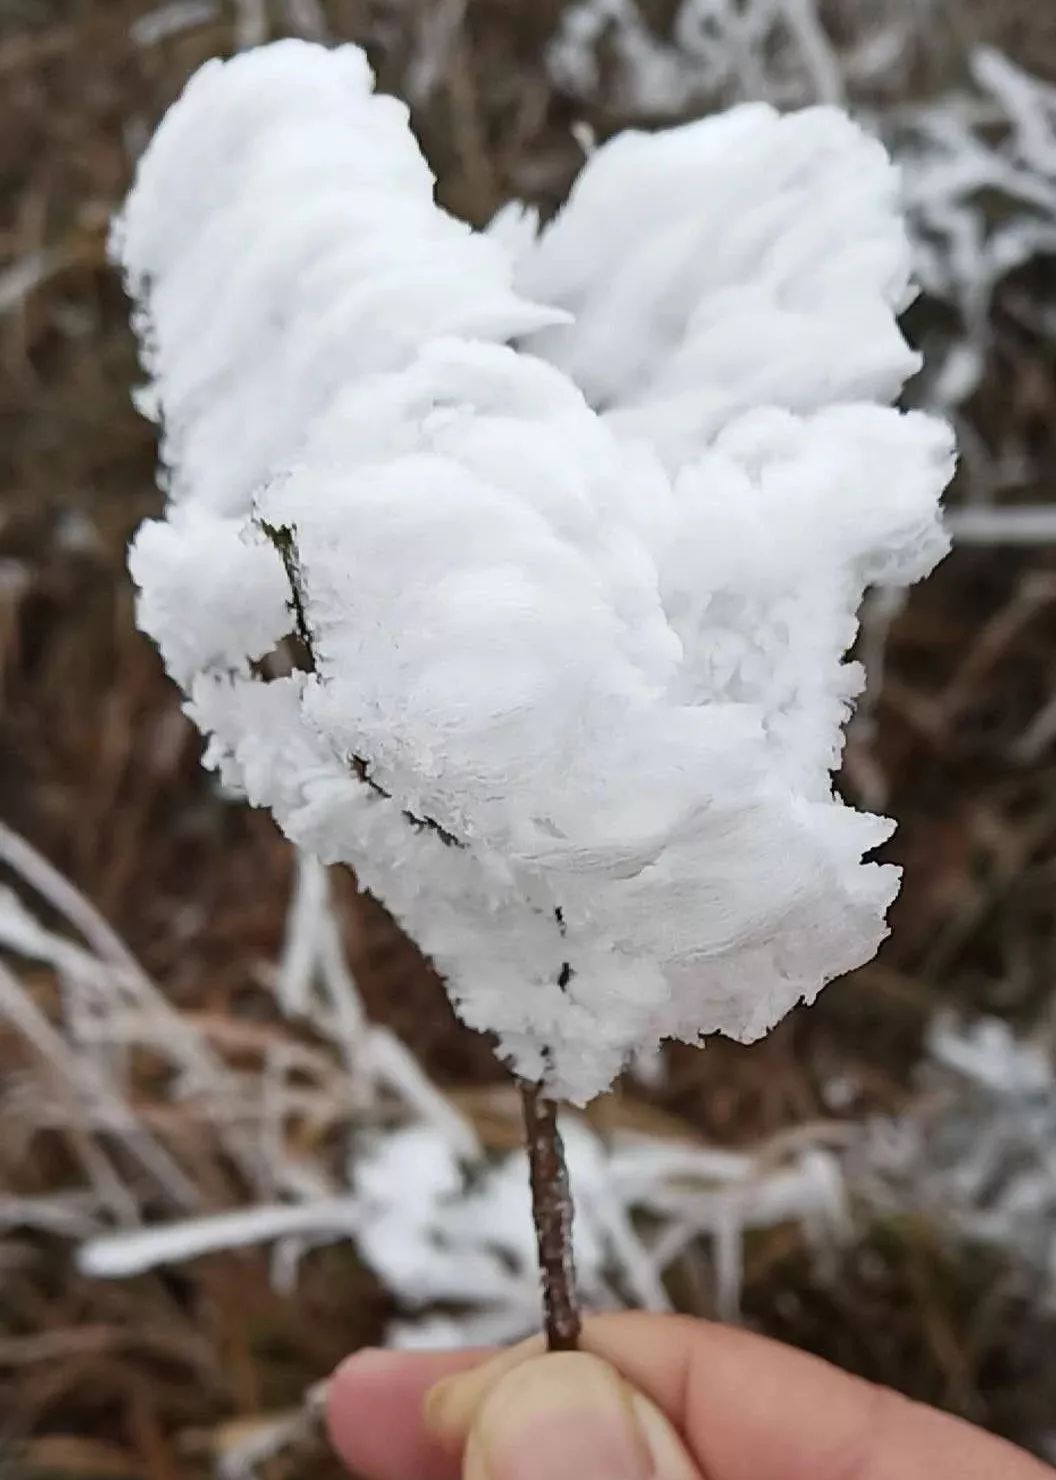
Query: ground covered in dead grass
(99, 769)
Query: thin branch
(551, 1198)
(283, 540)
(74, 906)
(552, 1215)
(118, 1255)
(115, 967)
(1003, 524)
(251, 24)
(98, 1103)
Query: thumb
(563, 1416)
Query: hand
(647, 1398)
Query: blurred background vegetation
(99, 770)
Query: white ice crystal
(574, 530)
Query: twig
(1005, 524)
(552, 1215)
(117, 970)
(118, 1255)
(99, 1104)
(551, 1199)
(251, 24)
(172, 20)
(283, 541)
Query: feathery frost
(573, 527)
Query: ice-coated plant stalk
(548, 1172)
(572, 526)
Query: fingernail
(451, 1404)
(666, 1450)
(559, 1417)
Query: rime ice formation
(574, 527)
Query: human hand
(647, 1398)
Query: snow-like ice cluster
(573, 527)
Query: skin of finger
(373, 1413)
(570, 1414)
(740, 1400)
(751, 1408)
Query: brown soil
(100, 770)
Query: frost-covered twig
(442, 1220)
(112, 968)
(103, 1108)
(586, 757)
(396, 1067)
(251, 23)
(308, 19)
(410, 1209)
(1003, 524)
(242, 1448)
(715, 53)
(174, 1243)
(71, 904)
(979, 173)
(438, 29)
(23, 277)
(978, 1155)
(172, 19)
(439, 1237)
(73, 1215)
(473, 743)
(109, 1007)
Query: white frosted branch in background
(313, 981)
(396, 1069)
(108, 981)
(119, 1255)
(438, 1231)
(71, 904)
(308, 19)
(70, 1215)
(251, 23)
(243, 1447)
(1004, 524)
(100, 1105)
(642, 469)
(172, 20)
(979, 171)
(438, 28)
(435, 1215)
(439, 1217)
(979, 1156)
(715, 53)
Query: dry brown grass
(98, 767)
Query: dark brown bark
(552, 1214)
